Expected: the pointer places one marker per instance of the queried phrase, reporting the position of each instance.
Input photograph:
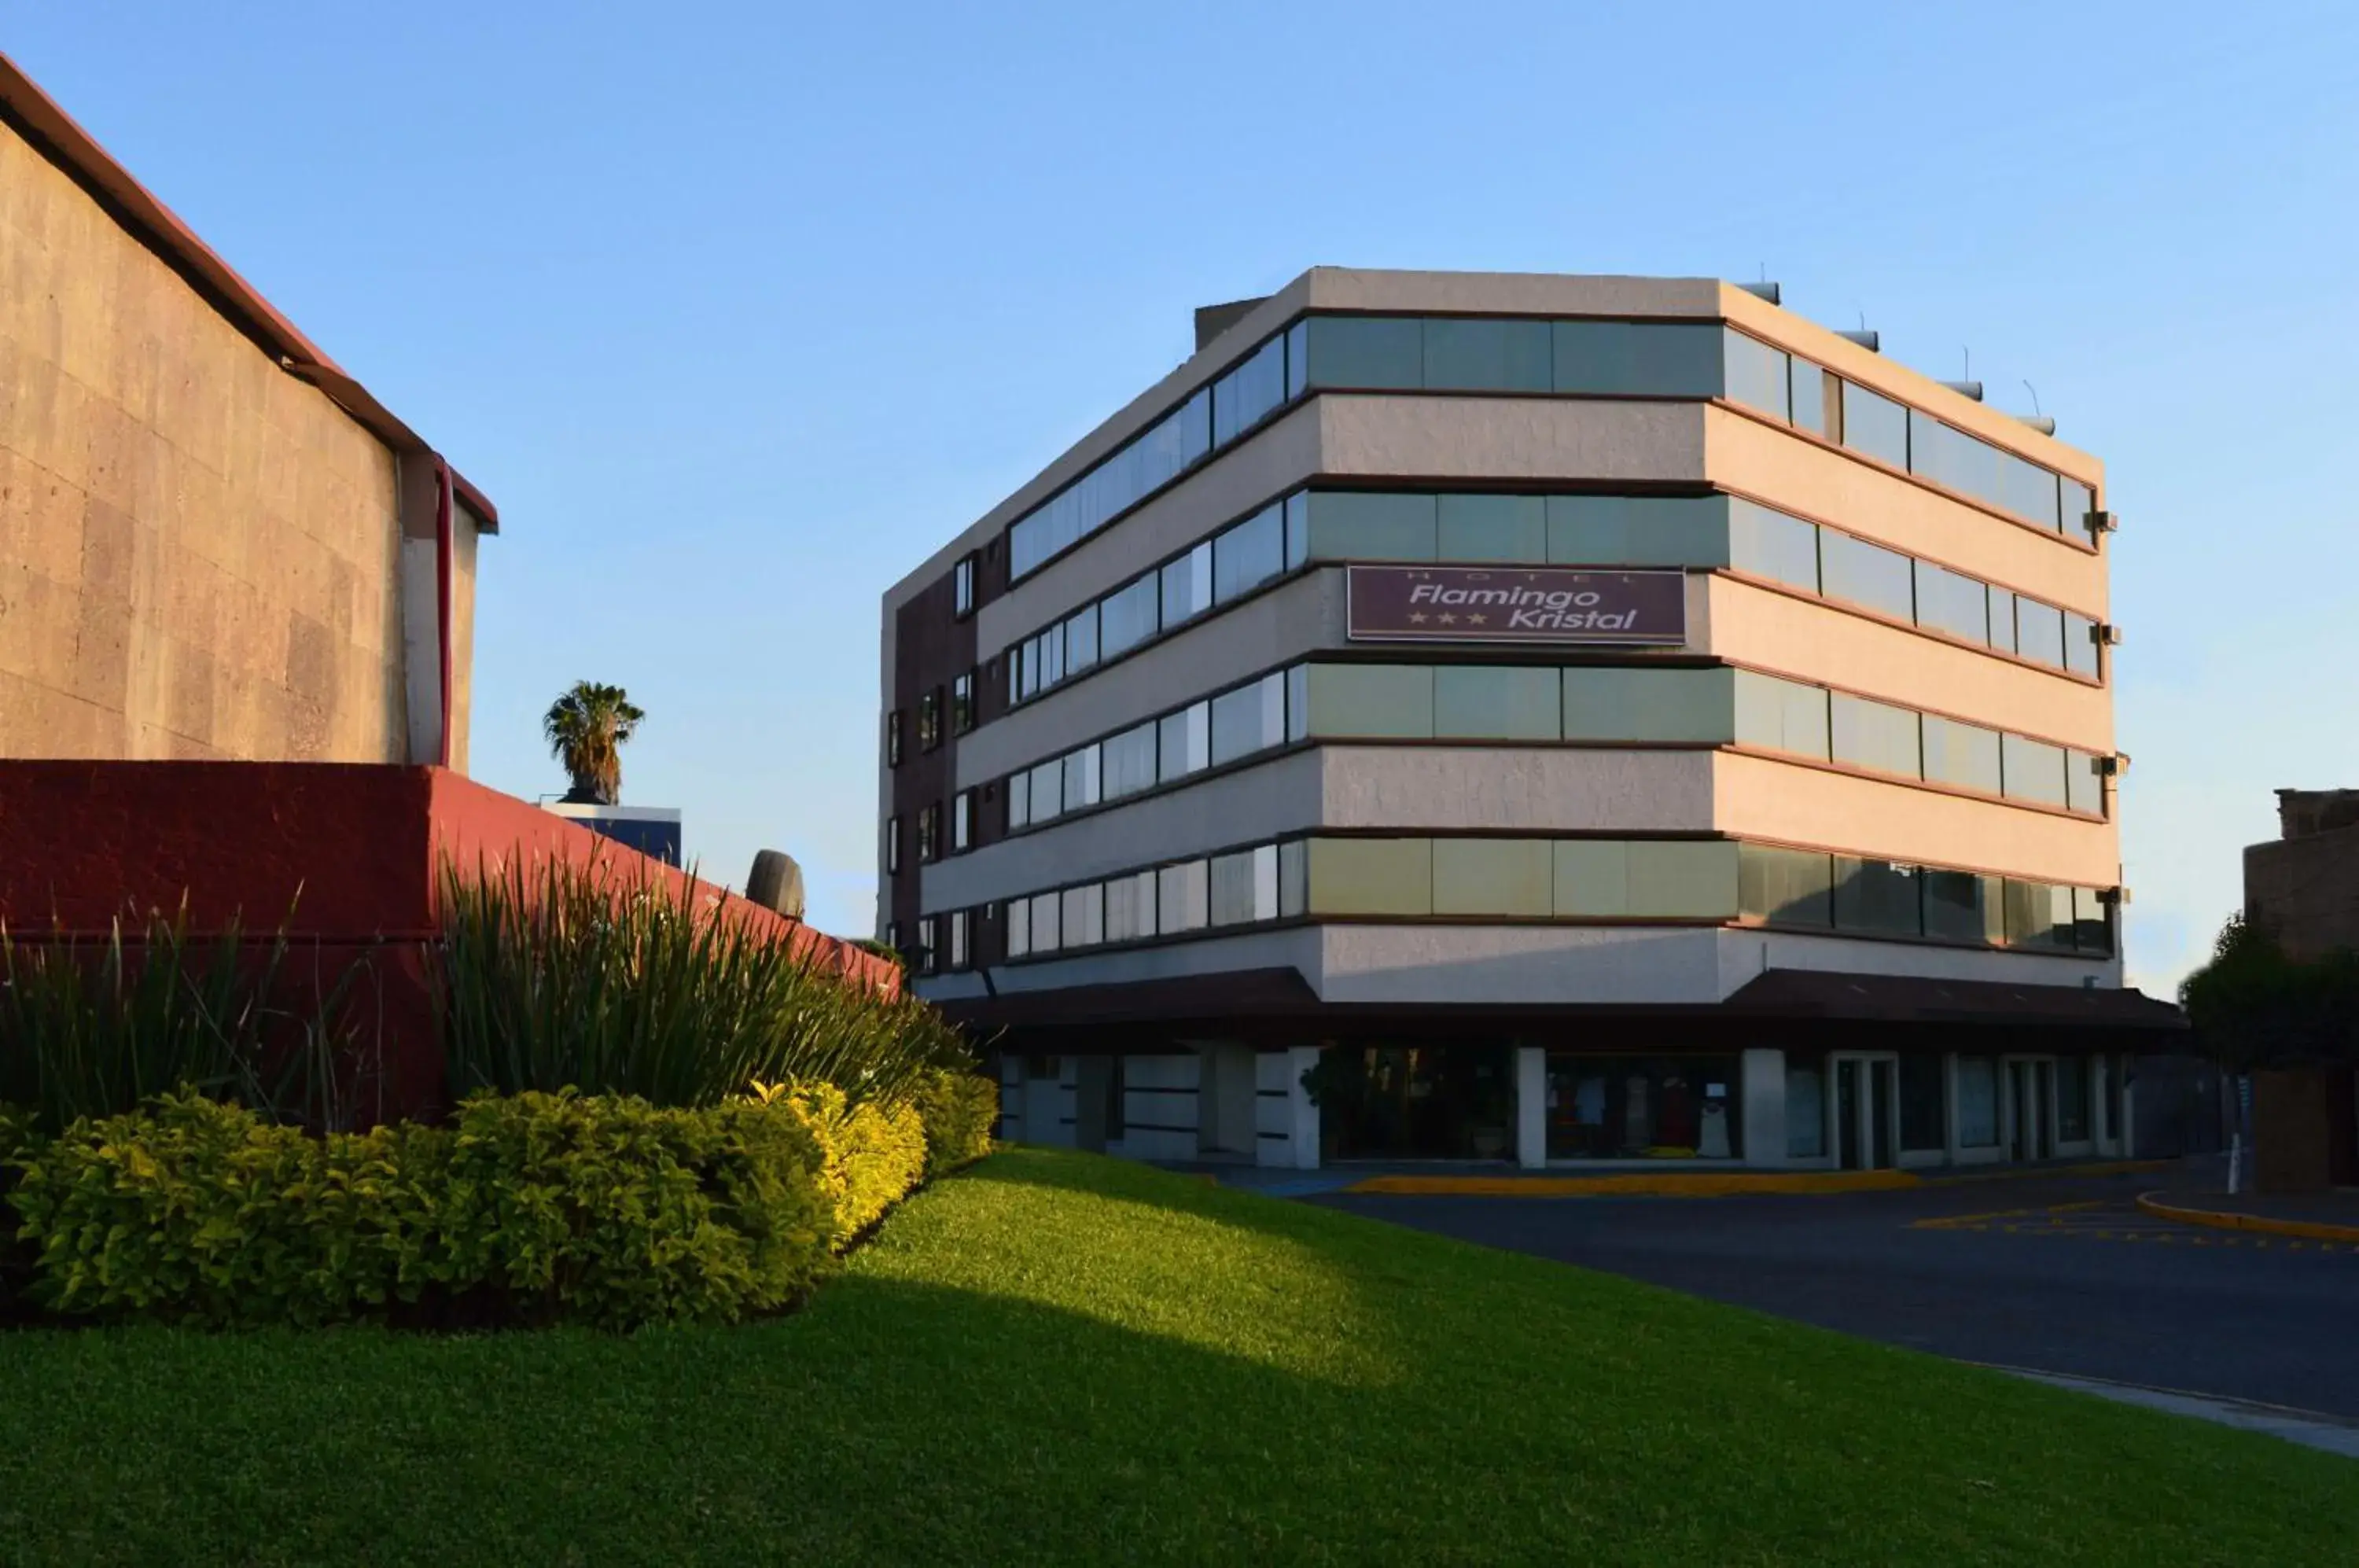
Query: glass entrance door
(1867, 1110)
(2030, 1092)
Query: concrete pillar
(1531, 1106)
(1304, 1116)
(1762, 1089)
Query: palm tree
(586, 729)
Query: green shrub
(958, 1109)
(619, 1213)
(616, 981)
(529, 1209)
(875, 1154)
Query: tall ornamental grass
(620, 981)
(95, 1025)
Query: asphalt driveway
(2053, 1274)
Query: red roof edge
(56, 136)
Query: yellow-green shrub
(958, 1109)
(531, 1208)
(619, 1213)
(875, 1154)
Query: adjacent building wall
(198, 552)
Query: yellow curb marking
(2308, 1230)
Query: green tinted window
(1492, 877)
(1638, 530)
(1781, 715)
(1352, 525)
(1478, 702)
(1486, 355)
(1366, 351)
(1391, 702)
(1491, 527)
(1667, 706)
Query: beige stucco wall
(1810, 641)
(197, 550)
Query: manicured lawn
(1055, 1358)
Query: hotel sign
(1527, 604)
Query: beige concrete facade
(201, 553)
(1561, 444)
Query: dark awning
(1788, 1006)
(1917, 999)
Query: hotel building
(1535, 718)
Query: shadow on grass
(972, 1390)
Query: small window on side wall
(891, 844)
(892, 738)
(962, 703)
(963, 587)
(929, 720)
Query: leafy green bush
(619, 1213)
(93, 1028)
(614, 981)
(958, 1110)
(875, 1154)
(528, 1209)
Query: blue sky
(738, 311)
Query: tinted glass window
(1188, 585)
(1683, 879)
(1491, 528)
(1371, 876)
(2027, 489)
(1082, 641)
(1346, 524)
(1875, 735)
(2093, 921)
(2081, 645)
(1961, 906)
(1964, 754)
(1489, 702)
(1297, 359)
(1977, 1101)
(1181, 897)
(2079, 501)
(1695, 706)
(2002, 619)
(1184, 741)
(1757, 375)
(1249, 719)
(1048, 923)
(2035, 770)
(2040, 631)
(1129, 615)
(1772, 545)
(1487, 356)
(1128, 762)
(1241, 889)
(1020, 800)
(1652, 359)
(1924, 1120)
(1639, 530)
(2038, 916)
(1298, 528)
(1781, 715)
(2085, 787)
(1875, 425)
(1085, 915)
(1377, 700)
(1130, 907)
(1949, 456)
(1243, 396)
(1047, 789)
(1812, 387)
(1950, 601)
(1081, 778)
(1877, 897)
(1882, 579)
(1786, 887)
(1249, 554)
(1503, 877)
(1366, 351)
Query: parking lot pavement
(2052, 1274)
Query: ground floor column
(1531, 1106)
(1286, 1123)
(1762, 1088)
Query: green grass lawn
(1057, 1358)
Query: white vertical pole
(1531, 1106)
(1303, 1120)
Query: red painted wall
(345, 857)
